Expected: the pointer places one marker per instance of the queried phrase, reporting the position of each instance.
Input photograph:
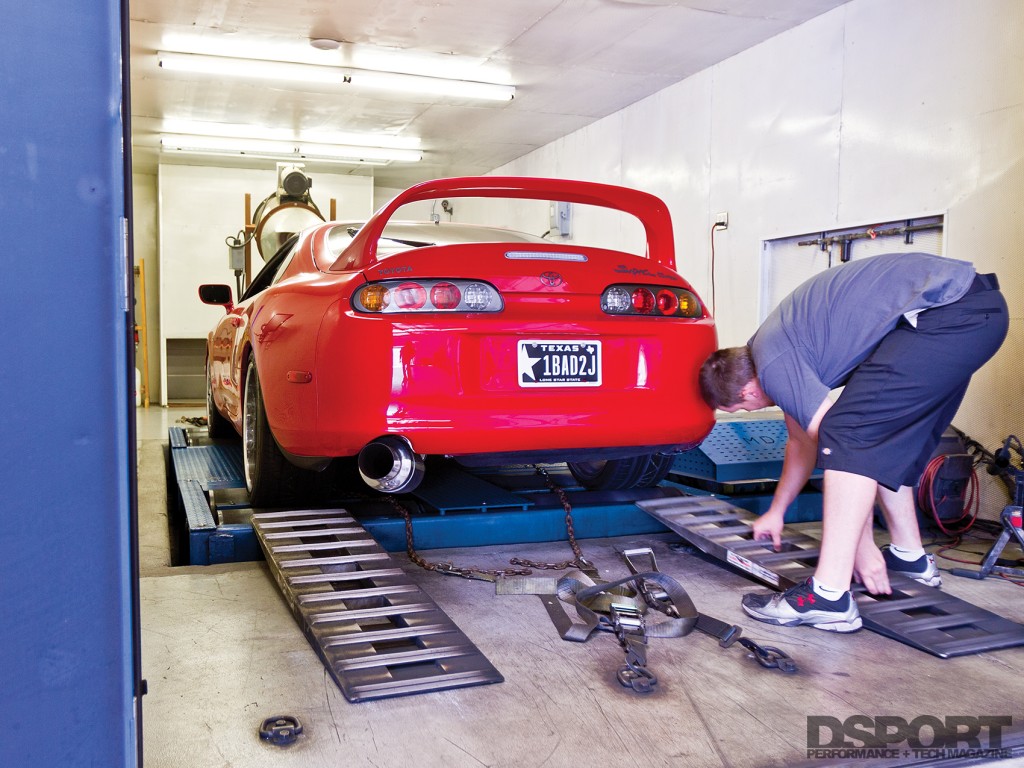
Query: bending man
(903, 333)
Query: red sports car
(392, 341)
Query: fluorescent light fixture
(260, 69)
(367, 56)
(257, 69)
(249, 131)
(278, 150)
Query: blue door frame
(68, 637)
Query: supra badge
(551, 279)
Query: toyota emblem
(551, 279)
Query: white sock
(906, 555)
(827, 592)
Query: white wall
(420, 211)
(381, 195)
(877, 111)
(145, 229)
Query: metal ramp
(923, 617)
(375, 630)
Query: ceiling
(572, 62)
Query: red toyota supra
(391, 341)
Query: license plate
(559, 363)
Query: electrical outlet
(561, 218)
(722, 220)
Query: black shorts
(898, 402)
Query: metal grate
(177, 437)
(377, 632)
(923, 617)
(215, 466)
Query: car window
(273, 268)
(401, 236)
(279, 272)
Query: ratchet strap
(593, 601)
(646, 604)
(614, 607)
(767, 656)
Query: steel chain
(490, 574)
(578, 561)
(448, 568)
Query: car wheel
(218, 426)
(269, 477)
(621, 474)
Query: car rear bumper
(455, 391)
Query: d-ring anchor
(281, 730)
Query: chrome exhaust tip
(389, 465)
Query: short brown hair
(724, 374)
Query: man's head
(728, 381)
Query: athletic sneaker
(923, 569)
(801, 605)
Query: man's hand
(869, 569)
(769, 526)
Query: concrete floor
(221, 652)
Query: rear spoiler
(650, 210)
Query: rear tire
(622, 474)
(218, 426)
(269, 477)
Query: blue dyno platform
(460, 509)
(463, 509)
(739, 455)
(196, 471)
(741, 451)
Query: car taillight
(615, 300)
(642, 301)
(391, 296)
(445, 296)
(479, 297)
(667, 301)
(409, 296)
(650, 300)
(374, 298)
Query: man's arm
(797, 465)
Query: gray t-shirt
(825, 328)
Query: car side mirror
(216, 294)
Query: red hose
(927, 502)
